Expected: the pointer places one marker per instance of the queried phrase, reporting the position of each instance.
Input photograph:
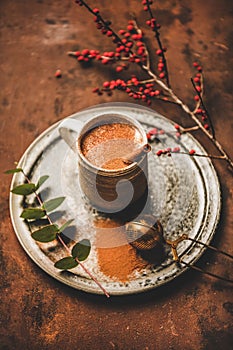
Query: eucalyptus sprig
(48, 233)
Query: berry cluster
(129, 48)
(168, 151)
(197, 81)
(146, 4)
(126, 41)
(201, 111)
(153, 133)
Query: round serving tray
(184, 194)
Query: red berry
(129, 44)
(195, 64)
(192, 151)
(119, 69)
(106, 84)
(96, 10)
(104, 61)
(177, 127)
(176, 150)
(159, 52)
(159, 152)
(153, 131)
(196, 79)
(196, 98)
(58, 73)
(85, 52)
(162, 75)
(206, 126)
(130, 27)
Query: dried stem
(177, 259)
(157, 36)
(206, 272)
(206, 111)
(200, 155)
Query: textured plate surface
(184, 194)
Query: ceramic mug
(109, 190)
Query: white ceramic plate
(184, 195)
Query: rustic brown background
(37, 312)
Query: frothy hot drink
(107, 146)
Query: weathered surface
(37, 312)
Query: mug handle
(67, 128)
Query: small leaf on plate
(24, 189)
(81, 250)
(53, 204)
(12, 171)
(41, 180)
(33, 213)
(65, 225)
(66, 263)
(45, 234)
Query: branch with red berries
(131, 48)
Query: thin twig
(206, 272)
(157, 36)
(174, 244)
(204, 107)
(211, 247)
(200, 155)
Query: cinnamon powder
(116, 258)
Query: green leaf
(41, 180)
(66, 224)
(24, 189)
(32, 213)
(66, 263)
(82, 249)
(53, 204)
(12, 171)
(45, 234)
